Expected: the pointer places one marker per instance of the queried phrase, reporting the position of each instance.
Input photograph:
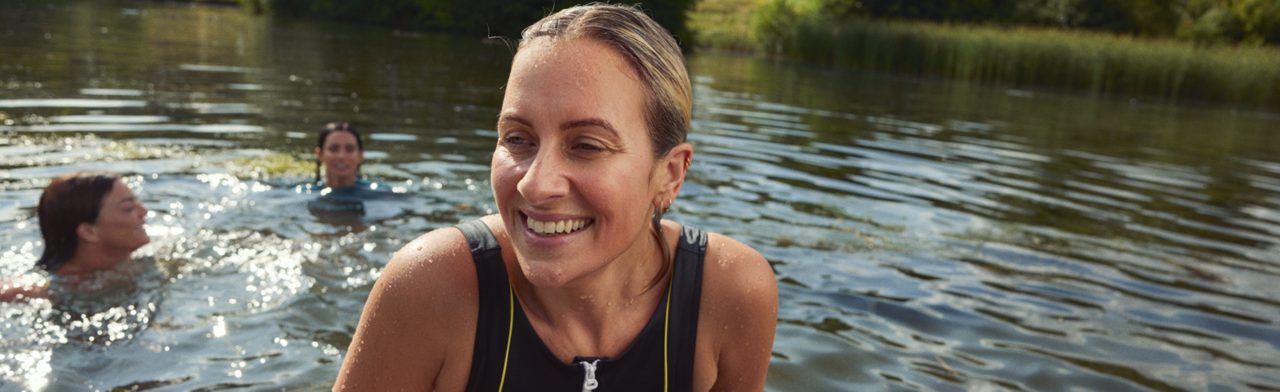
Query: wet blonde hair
(651, 51)
(653, 54)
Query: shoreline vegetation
(1092, 62)
(1212, 51)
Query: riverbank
(1097, 63)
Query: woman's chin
(541, 275)
(146, 239)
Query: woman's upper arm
(742, 293)
(410, 322)
(23, 288)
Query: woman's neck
(339, 182)
(619, 291)
(91, 258)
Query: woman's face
(340, 155)
(573, 172)
(120, 221)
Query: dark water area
(926, 235)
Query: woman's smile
(549, 227)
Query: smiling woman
(579, 282)
(340, 150)
(90, 222)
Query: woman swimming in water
(340, 151)
(577, 281)
(90, 222)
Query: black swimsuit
(509, 356)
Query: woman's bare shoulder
(419, 320)
(442, 251)
(738, 316)
(734, 269)
(435, 266)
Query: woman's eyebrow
(127, 199)
(567, 125)
(590, 122)
(514, 118)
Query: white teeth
(556, 227)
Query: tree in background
(1248, 21)
(491, 17)
(1206, 21)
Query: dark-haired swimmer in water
(90, 222)
(343, 192)
(340, 151)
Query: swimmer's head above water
(340, 150)
(89, 221)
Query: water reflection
(925, 235)
(1064, 239)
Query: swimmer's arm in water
(24, 288)
(419, 320)
(739, 317)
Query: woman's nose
(544, 180)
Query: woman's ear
(87, 232)
(672, 169)
(317, 152)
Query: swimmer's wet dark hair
(68, 201)
(329, 129)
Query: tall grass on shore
(1024, 57)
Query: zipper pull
(589, 382)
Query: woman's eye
(588, 147)
(515, 141)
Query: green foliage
(723, 24)
(775, 22)
(1103, 64)
(256, 7)
(491, 17)
(1247, 21)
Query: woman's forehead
(119, 191)
(340, 137)
(577, 78)
(574, 59)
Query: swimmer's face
(573, 172)
(120, 221)
(340, 155)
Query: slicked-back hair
(655, 57)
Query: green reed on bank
(1099, 63)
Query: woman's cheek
(505, 173)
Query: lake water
(926, 235)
